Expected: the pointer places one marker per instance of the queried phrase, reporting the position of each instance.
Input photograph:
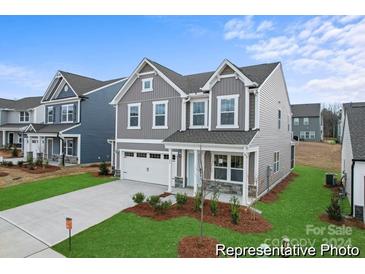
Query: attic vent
(66, 88)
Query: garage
(147, 166)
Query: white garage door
(147, 167)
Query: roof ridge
(154, 62)
(79, 75)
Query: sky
(323, 56)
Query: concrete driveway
(29, 230)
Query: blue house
(78, 120)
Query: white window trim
(229, 156)
(219, 99)
(147, 80)
(73, 113)
(53, 116)
(73, 146)
(139, 116)
(20, 115)
(296, 119)
(305, 124)
(205, 113)
(166, 103)
(278, 162)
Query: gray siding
(252, 110)
(251, 168)
(161, 91)
(66, 94)
(4, 117)
(97, 125)
(270, 139)
(229, 86)
(57, 112)
(314, 125)
(12, 117)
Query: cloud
(22, 76)
(324, 56)
(245, 28)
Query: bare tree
(331, 118)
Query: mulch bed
(273, 194)
(3, 174)
(39, 169)
(345, 221)
(195, 247)
(249, 222)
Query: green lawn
(127, 235)
(14, 196)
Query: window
(279, 119)
(306, 121)
(227, 111)
(302, 135)
(198, 114)
(276, 161)
(24, 116)
(128, 154)
(160, 114)
(134, 113)
(155, 156)
(220, 167)
(307, 135)
(147, 84)
(237, 168)
(141, 155)
(312, 135)
(50, 115)
(296, 121)
(67, 113)
(69, 147)
(166, 157)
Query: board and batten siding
(229, 86)
(272, 97)
(161, 91)
(252, 111)
(346, 157)
(57, 111)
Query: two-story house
(15, 116)
(307, 122)
(231, 127)
(78, 120)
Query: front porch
(230, 170)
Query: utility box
(330, 179)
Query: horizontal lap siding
(314, 125)
(229, 86)
(346, 157)
(161, 91)
(272, 96)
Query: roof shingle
(306, 110)
(356, 120)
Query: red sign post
(69, 227)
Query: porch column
(61, 145)
(39, 144)
(170, 171)
(245, 179)
(4, 138)
(196, 171)
(183, 166)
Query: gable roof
(306, 110)
(355, 117)
(21, 104)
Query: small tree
(103, 169)
(235, 209)
(334, 209)
(214, 203)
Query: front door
(11, 138)
(190, 170)
(49, 148)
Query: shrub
(15, 152)
(334, 209)
(181, 199)
(39, 162)
(103, 169)
(235, 210)
(45, 163)
(162, 207)
(214, 204)
(20, 163)
(7, 163)
(138, 198)
(153, 200)
(198, 200)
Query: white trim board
(140, 141)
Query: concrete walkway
(31, 229)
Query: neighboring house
(232, 124)
(307, 122)
(78, 119)
(353, 156)
(15, 116)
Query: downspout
(352, 187)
